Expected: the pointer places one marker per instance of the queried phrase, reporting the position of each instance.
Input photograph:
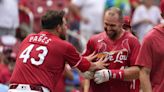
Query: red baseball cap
(162, 6)
(127, 21)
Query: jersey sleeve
(74, 59)
(145, 55)
(134, 47)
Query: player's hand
(101, 76)
(101, 63)
(88, 74)
(91, 57)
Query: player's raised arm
(84, 63)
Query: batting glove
(102, 76)
(105, 74)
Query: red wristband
(117, 74)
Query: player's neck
(54, 32)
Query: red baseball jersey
(61, 86)
(151, 56)
(41, 60)
(121, 53)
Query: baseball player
(41, 58)
(151, 59)
(121, 48)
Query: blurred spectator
(8, 41)
(75, 83)
(2, 65)
(90, 13)
(5, 73)
(39, 8)
(78, 82)
(9, 20)
(7, 65)
(8, 50)
(145, 17)
(127, 24)
(133, 5)
(26, 19)
(74, 26)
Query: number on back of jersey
(26, 54)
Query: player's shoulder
(131, 38)
(154, 32)
(66, 43)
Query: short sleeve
(145, 54)
(134, 50)
(74, 59)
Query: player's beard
(112, 34)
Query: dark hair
(52, 19)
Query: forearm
(68, 73)
(127, 74)
(92, 67)
(86, 85)
(131, 73)
(145, 80)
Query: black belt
(32, 87)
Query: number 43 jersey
(41, 60)
(121, 53)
